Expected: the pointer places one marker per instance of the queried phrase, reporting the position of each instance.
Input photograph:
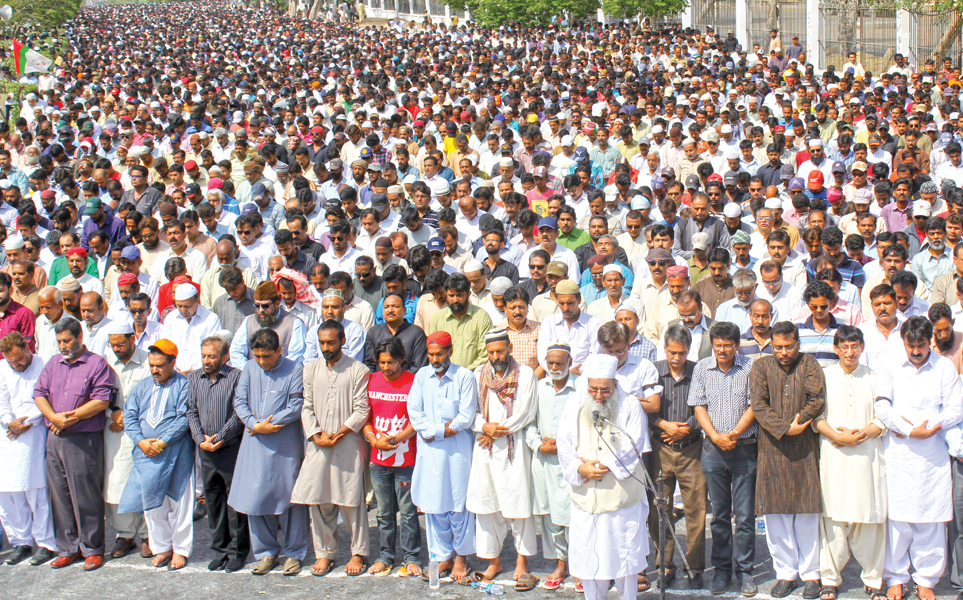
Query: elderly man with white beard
(607, 532)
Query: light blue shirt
(295, 349)
(440, 480)
(354, 337)
(735, 313)
(927, 267)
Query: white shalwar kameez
(499, 489)
(24, 506)
(920, 491)
(613, 545)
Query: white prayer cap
(13, 243)
(500, 285)
(727, 128)
(506, 162)
(600, 366)
(816, 143)
(395, 189)
(119, 327)
(773, 204)
(732, 154)
(5, 184)
(185, 291)
(628, 307)
(472, 265)
(441, 188)
(613, 268)
(732, 210)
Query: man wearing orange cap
(441, 408)
(161, 483)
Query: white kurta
(495, 483)
(614, 544)
(921, 489)
(118, 447)
(852, 477)
(21, 460)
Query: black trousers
(75, 482)
(230, 536)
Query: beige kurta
(333, 398)
(118, 448)
(852, 477)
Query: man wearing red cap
(441, 408)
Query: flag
(27, 61)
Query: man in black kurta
(787, 391)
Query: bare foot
(355, 565)
(521, 567)
(160, 557)
(925, 593)
(460, 568)
(414, 569)
(560, 572)
(895, 592)
(494, 568)
(321, 566)
(378, 567)
(178, 561)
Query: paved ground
(134, 578)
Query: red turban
(442, 338)
(127, 279)
(77, 250)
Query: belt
(748, 440)
(682, 444)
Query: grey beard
(608, 410)
(267, 321)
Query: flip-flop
(318, 573)
(364, 568)
(469, 579)
(526, 582)
(404, 572)
(441, 575)
(162, 563)
(644, 584)
(579, 588)
(552, 583)
(384, 572)
(171, 567)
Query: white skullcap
(732, 210)
(13, 243)
(566, 140)
(506, 162)
(773, 204)
(627, 306)
(688, 141)
(119, 327)
(441, 188)
(185, 291)
(396, 189)
(600, 366)
(727, 128)
(472, 265)
(816, 143)
(732, 154)
(640, 202)
(613, 268)
(5, 184)
(500, 285)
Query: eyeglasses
(263, 305)
(723, 347)
(137, 311)
(363, 275)
(658, 263)
(532, 267)
(336, 238)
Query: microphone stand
(661, 502)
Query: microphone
(595, 417)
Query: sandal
(364, 567)
(875, 594)
(902, 591)
(644, 584)
(526, 582)
(321, 573)
(553, 583)
(441, 575)
(404, 572)
(469, 579)
(828, 592)
(383, 572)
(579, 589)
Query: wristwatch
(391, 441)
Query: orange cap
(165, 346)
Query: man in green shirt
(467, 324)
(569, 235)
(59, 268)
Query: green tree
(627, 9)
(494, 13)
(49, 13)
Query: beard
(441, 367)
(557, 375)
(458, 307)
(267, 321)
(151, 245)
(608, 410)
(944, 345)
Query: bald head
(226, 252)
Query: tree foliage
(494, 13)
(49, 13)
(625, 9)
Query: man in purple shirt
(73, 391)
(99, 219)
(15, 316)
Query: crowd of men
(283, 272)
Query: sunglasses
(658, 263)
(137, 311)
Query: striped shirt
(675, 393)
(642, 348)
(819, 344)
(749, 346)
(210, 406)
(724, 394)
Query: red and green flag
(26, 60)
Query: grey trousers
(127, 525)
(75, 482)
(956, 527)
(264, 533)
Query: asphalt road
(133, 578)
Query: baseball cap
(436, 244)
(838, 167)
(164, 346)
(692, 182)
(557, 268)
(547, 222)
(130, 253)
(922, 208)
(93, 205)
(814, 181)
